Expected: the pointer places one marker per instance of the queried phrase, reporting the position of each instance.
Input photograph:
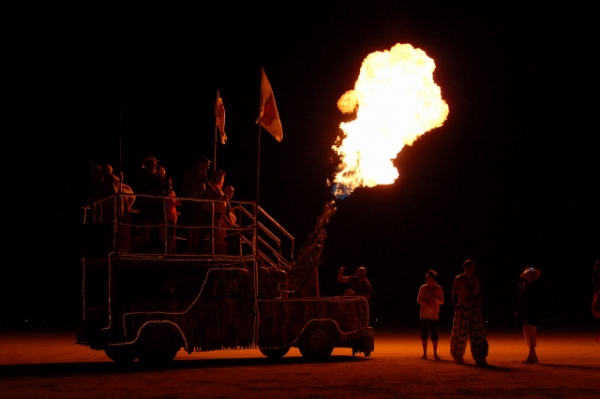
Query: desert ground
(50, 365)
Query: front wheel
(157, 348)
(317, 343)
(275, 353)
(123, 354)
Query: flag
(269, 117)
(220, 118)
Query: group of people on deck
(197, 185)
(161, 215)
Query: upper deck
(137, 226)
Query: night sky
(509, 180)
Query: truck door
(227, 307)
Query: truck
(247, 288)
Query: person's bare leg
(424, 349)
(435, 346)
(532, 354)
(530, 333)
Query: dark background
(509, 180)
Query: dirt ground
(49, 365)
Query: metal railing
(138, 225)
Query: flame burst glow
(396, 101)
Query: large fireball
(396, 101)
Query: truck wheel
(123, 354)
(274, 353)
(317, 343)
(157, 348)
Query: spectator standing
(529, 310)
(430, 297)
(468, 321)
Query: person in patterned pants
(468, 322)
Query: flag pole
(120, 140)
(256, 209)
(258, 165)
(215, 141)
(120, 151)
(92, 159)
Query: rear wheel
(317, 343)
(122, 354)
(275, 353)
(157, 347)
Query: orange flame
(396, 101)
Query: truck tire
(317, 342)
(275, 353)
(122, 354)
(157, 347)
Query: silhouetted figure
(171, 205)
(359, 283)
(529, 310)
(430, 297)
(216, 209)
(110, 182)
(195, 182)
(468, 321)
(229, 220)
(127, 200)
(108, 188)
(152, 212)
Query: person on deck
(110, 186)
(171, 204)
(151, 183)
(195, 182)
(228, 223)
(216, 209)
(229, 218)
(110, 182)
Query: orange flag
(269, 117)
(220, 118)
